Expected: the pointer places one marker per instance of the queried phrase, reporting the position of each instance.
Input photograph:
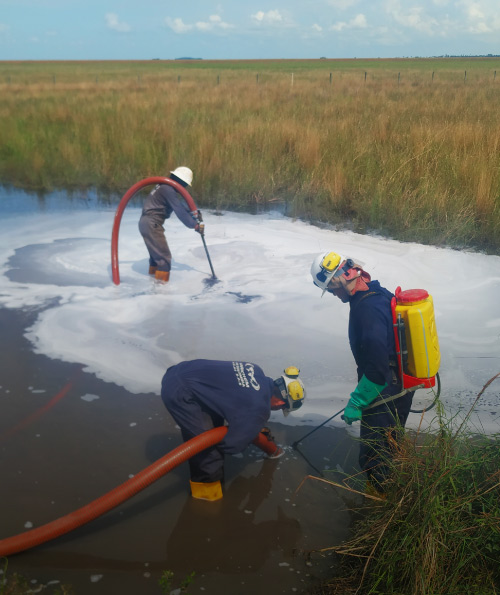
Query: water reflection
(17, 200)
(232, 535)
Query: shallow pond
(83, 361)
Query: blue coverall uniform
(158, 206)
(203, 394)
(371, 336)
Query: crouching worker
(203, 394)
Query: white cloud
(115, 24)
(317, 27)
(475, 11)
(481, 16)
(178, 25)
(214, 23)
(480, 28)
(342, 4)
(272, 17)
(358, 22)
(412, 17)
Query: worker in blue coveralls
(158, 206)
(371, 337)
(202, 394)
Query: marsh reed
(437, 531)
(399, 152)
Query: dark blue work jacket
(371, 334)
(162, 201)
(237, 391)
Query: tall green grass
(396, 150)
(438, 530)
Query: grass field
(408, 148)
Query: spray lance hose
(376, 404)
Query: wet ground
(58, 454)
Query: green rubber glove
(364, 394)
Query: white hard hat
(324, 268)
(184, 174)
(292, 389)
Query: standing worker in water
(158, 206)
(203, 394)
(371, 337)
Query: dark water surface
(60, 452)
(67, 438)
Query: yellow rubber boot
(210, 491)
(162, 276)
(152, 270)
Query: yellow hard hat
(292, 371)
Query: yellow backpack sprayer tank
(416, 337)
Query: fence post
(330, 78)
(433, 76)
(365, 76)
(218, 78)
(257, 78)
(399, 78)
(494, 75)
(179, 78)
(465, 76)
(292, 79)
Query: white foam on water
(89, 398)
(263, 308)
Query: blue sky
(262, 29)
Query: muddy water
(66, 439)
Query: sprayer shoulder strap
(366, 295)
(392, 364)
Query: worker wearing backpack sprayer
(373, 339)
(203, 394)
(158, 206)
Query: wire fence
(400, 77)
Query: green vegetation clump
(438, 530)
(406, 148)
(16, 584)
(166, 582)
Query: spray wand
(201, 231)
(295, 444)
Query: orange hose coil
(121, 207)
(108, 501)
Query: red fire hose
(106, 502)
(121, 207)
